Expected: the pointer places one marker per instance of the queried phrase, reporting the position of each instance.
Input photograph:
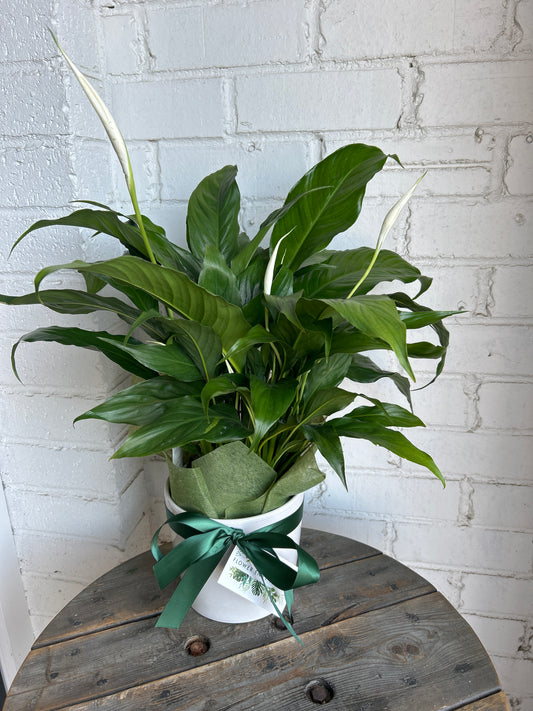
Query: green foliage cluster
(266, 345)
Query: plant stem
(140, 223)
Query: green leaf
(255, 336)
(335, 276)
(143, 402)
(119, 226)
(164, 358)
(72, 301)
(327, 373)
(175, 290)
(404, 301)
(386, 414)
(326, 402)
(424, 349)
(212, 215)
(200, 342)
(169, 254)
(108, 344)
(394, 441)
(285, 305)
(95, 282)
(218, 278)
(347, 340)
(425, 318)
(223, 385)
(376, 316)
(250, 280)
(283, 283)
(269, 404)
(319, 216)
(329, 445)
(364, 370)
(184, 421)
(247, 251)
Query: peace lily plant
(248, 354)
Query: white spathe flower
(269, 271)
(388, 223)
(105, 117)
(393, 214)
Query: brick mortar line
(389, 518)
(455, 477)
(417, 135)
(51, 391)
(52, 63)
(304, 65)
(431, 132)
(80, 445)
(72, 494)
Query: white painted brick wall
(273, 86)
(356, 30)
(180, 108)
(487, 93)
(519, 175)
(266, 168)
(288, 101)
(59, 483)
(266, 32)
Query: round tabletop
(376, 637)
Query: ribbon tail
(289, 599)
(279, 613)
(185, 594)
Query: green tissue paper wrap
(233, 482)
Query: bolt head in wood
(196, 646)
(319, 691)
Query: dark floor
(2, 693)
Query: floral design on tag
(241, 577)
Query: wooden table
(377, 637)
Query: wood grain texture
(113, 653)
(414, 655)
(494, 702)
(375, 630)
(130, 591)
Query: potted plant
(248, 355)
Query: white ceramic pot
(215, 601)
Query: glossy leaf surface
(212, 215)
(314, 220)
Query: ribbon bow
(206, 541)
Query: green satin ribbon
(206, 541)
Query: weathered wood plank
(419, 655)
(62, 674)
(130, 592)
(494, 702)
(330, 550)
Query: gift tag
(241, 577)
